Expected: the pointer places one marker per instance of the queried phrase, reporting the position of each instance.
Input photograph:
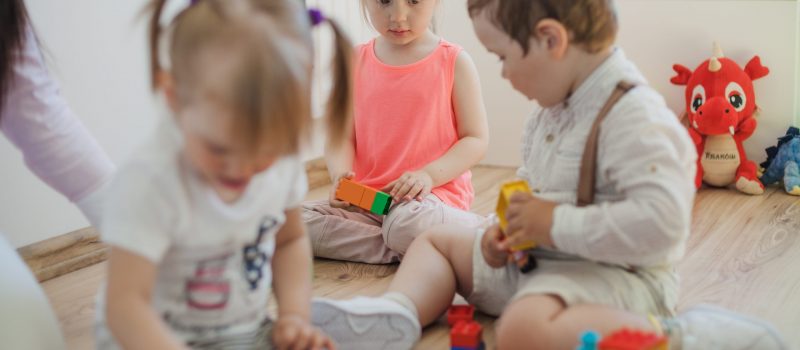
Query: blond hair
(365, 15)
(268, 46)
(591, 23)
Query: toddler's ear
(166, 83)
(552, 36)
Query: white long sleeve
(644, 185)
(55, 144)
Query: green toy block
(381, 203)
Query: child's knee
(527, 323)
(402, 226)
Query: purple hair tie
(316, 16)
(193, 2)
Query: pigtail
(340, 101)
(155, 36)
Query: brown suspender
(589, 161)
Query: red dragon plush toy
(720, 104)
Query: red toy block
(466, 335)
(459, 313)
(626, 339)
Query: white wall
(743, 29)
(98, 51)
(656, 34)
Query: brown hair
(267, 46)
(591, 23)
(13, 20)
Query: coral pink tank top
(404, 119)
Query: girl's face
(226, 164)
(401, 22)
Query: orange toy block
(364, 197)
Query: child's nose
(399, 11)
(238, 168)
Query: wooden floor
(744, 254)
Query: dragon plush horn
(718, 51)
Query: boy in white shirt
(607, 247)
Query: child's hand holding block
(364, 197)
(506, 192)
(525, 262)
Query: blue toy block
(589, 341)
(481, 346)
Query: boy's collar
(596, 80)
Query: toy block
(524, 261)
(364, 197)
(480, 346)
(503, 200)
(349, 191)
(381, 203)
(460, 313)
(466, 335)
(626, 339)
(589, 341)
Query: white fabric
(645, 176)
(159, 209)
(26, 319)
(576, 281)
(55, 144)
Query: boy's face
(536, 75)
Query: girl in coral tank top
(419, 125)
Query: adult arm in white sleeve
(55, 144)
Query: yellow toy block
(503, 200)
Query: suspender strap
(588, 173)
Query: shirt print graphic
(209, 289)
(255, 258)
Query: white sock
(403, 300)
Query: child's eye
(384, 2)
(413, 2)
(216, 149)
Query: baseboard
(78, 249)
(63, 254)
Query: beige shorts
(652, 290)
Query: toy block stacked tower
(466, 333)
(467, 336)
(460, 313)
(364, 197)
(626, 339)
(525, 262)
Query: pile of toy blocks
(465, 332)
(624, 339)
(364, 197)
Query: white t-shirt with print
(213, 258)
